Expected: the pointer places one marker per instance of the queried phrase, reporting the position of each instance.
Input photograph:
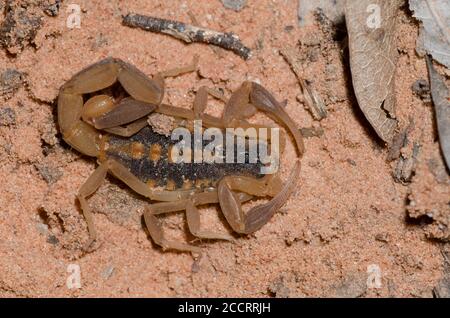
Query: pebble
(236, 5)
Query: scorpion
(113, 127)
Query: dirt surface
(354, 211)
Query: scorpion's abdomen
(147, 156)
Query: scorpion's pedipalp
(231, 206)
(261, 214)
(139, 85)
(128, 130)
(76, 133)
(96, 107)
(93, 78)
(144, 89)
(127, 111)
(69, 111)
(238, 107)
(264, 101)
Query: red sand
(347, 213)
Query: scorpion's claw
(259, 215)
(264, 101)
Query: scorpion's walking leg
(193, 221)
(122, 173)
(87, 189)
(201, 100)
(192, 216)
(155, 229)
(193, 67)
(160, 77)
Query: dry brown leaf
(440, 95)
(434, 35)
(371, 31)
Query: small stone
(49, 172)
(52, 240)
(382, 237)
(421, 88)
(10, 81)
(7, 116)
(437, 168)
(321, 10)
(161, 124)
(20, 26)
(236, 5)
(442, 290)
(52, 9)
(353, 286)
(49, 132)
(278, 288)
(42, 228)
(109, 270)
(288, 28)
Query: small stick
(312, 99)
(188, 33)
(195, 22)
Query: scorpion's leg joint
(87, 189)
(155, 229)
(259, 215)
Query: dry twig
(312, 99)
(188, 33)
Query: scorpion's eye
(96, 107)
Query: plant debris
(440, 94)
(434, 36)
(309, 132)
(442, 290)
(188, 33)
(332, 9)
(421, 88)
(405, 168)
(372, 60)
(312, 99)
(399, 141)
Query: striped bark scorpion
(114, 129)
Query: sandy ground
(351, 214)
